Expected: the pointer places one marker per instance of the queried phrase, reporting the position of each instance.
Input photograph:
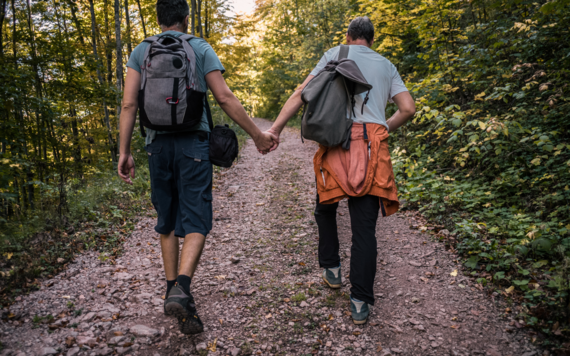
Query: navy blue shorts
(181, 182)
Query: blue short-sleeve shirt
(206, 61)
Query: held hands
(275, 135)
(126, 167)
(266, 142)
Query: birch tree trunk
(101, 82)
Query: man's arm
(406, 110)
(290, 108)
(231, 106)
(129, 108)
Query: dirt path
(258, 287)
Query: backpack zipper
(323, 175)
(368, 150)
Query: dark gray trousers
(363, 217)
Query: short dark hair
(171, 12)
(361, 27)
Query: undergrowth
(98, 216)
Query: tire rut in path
(258, 287)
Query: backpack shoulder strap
(192, 75)
(209, 114)
(343, 52)
(151, 39)
(186, 37)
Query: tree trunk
(119, 47)
(31, 198)
(142, 18)
(107, 46)
(76, 22)
(207, 30)
(192, 16)
(76, 151)
(76, 146)
(129, 39)
(100, 77)
(3, 111)
(119, 62)
(200, 18)
(14, 51)
(2, 17)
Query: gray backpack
(170, 97)
(328, 97)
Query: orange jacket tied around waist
(364, 169)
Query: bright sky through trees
(243, 6)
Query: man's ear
(348, 38)
(186, 20)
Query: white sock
(335, 271)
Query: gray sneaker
(182, 306)
(360, 311)
(332, 277)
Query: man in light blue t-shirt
(387, 86)
(180, 169)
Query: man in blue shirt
(181, 173)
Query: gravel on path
(258, 287)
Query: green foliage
(487, 154)
(293, 35)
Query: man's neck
(358, 42)
(173, 28)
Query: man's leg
(191, 252)
(180, 301)
(325, 215)
(363, 217)
(329, 259)
(194, 181)
(170, 251)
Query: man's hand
(127, 124)
(265, 142)
(275, 135)
(126, 167)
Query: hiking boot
(182, 306)
(332, 277)
(167, 313)
(360, 311)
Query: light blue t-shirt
(206, 61)
(379, 72)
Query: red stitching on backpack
(171, 103)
